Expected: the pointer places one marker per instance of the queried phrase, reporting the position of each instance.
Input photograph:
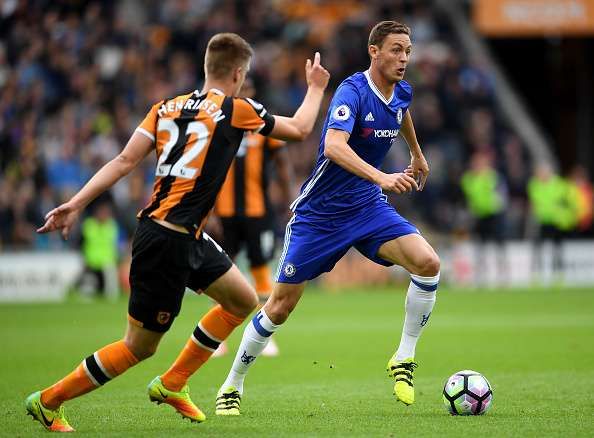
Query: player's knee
(248, 304)
(427, 264)
(277, 315)
(147, 352)
(141, 350)
(430, 265)
(242, 304)
(278, 310)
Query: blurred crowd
(77, 77)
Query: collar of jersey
(214, 90)
(376, 90)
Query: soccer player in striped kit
(244, 215)
(195, 137)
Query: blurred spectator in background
(554, 203)
(514, 168)
(555, 206)
(99, 246)
(585, 200)
(486, 195)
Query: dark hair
(384, 28)
(224, 52)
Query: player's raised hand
(420, 169)
(60, 218)
(315, 73)
(398, 182)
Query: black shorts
(164, 263)
(256, 233)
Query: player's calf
(420, 300)
(213, 328)
(256, 335)
(283, 300)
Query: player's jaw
(393, 71)
(395, 67)
(397, 73)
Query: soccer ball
(467, 393)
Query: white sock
(419, 304)
(255, 337)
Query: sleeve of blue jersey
(344, 107)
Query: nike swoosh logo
(45, 420)
(160, 392)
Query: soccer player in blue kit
(342, 205)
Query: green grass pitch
(535, 346)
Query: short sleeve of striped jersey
(148, 126)
(251, 116)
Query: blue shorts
(313, 244)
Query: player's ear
(237, 75)
(373, 50)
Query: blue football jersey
(373, 122)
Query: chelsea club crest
(399, 116)
(289, 269)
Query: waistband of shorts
(151, 224)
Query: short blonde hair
(225, 52)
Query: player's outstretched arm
(64, 216)
(338, 150)
(299, 126)
(420, 168)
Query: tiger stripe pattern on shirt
(244, 192)
(196, 138)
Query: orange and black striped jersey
(245, 191)
(196, 138)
